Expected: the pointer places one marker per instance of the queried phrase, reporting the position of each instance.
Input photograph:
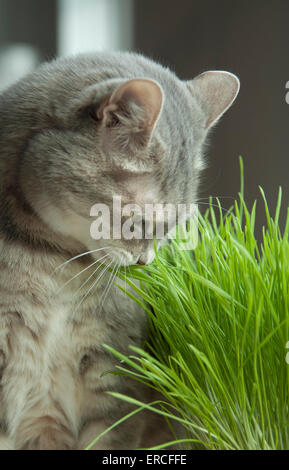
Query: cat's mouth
(120, 257)
(125, 258)
(115, 257)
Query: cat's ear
(215, 91)
(130, 113)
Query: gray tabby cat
(74, 133)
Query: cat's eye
(93, 114)
(113, 121)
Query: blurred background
(248, 38)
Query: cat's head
(98, 129)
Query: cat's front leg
(36, 416)
(45, 433)
(6, 443)
(43, 426)
(33, 400)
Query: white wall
(90, 25)
(16, 60)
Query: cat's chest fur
(56, 332)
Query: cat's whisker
(82, 271)
(116, 273)
(109, 284)
(93, 285)
(215, 197)
(79, 256)
(211, 204)
(88, 279)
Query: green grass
(218, 331)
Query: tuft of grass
(218, 331)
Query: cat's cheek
(65, 223)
